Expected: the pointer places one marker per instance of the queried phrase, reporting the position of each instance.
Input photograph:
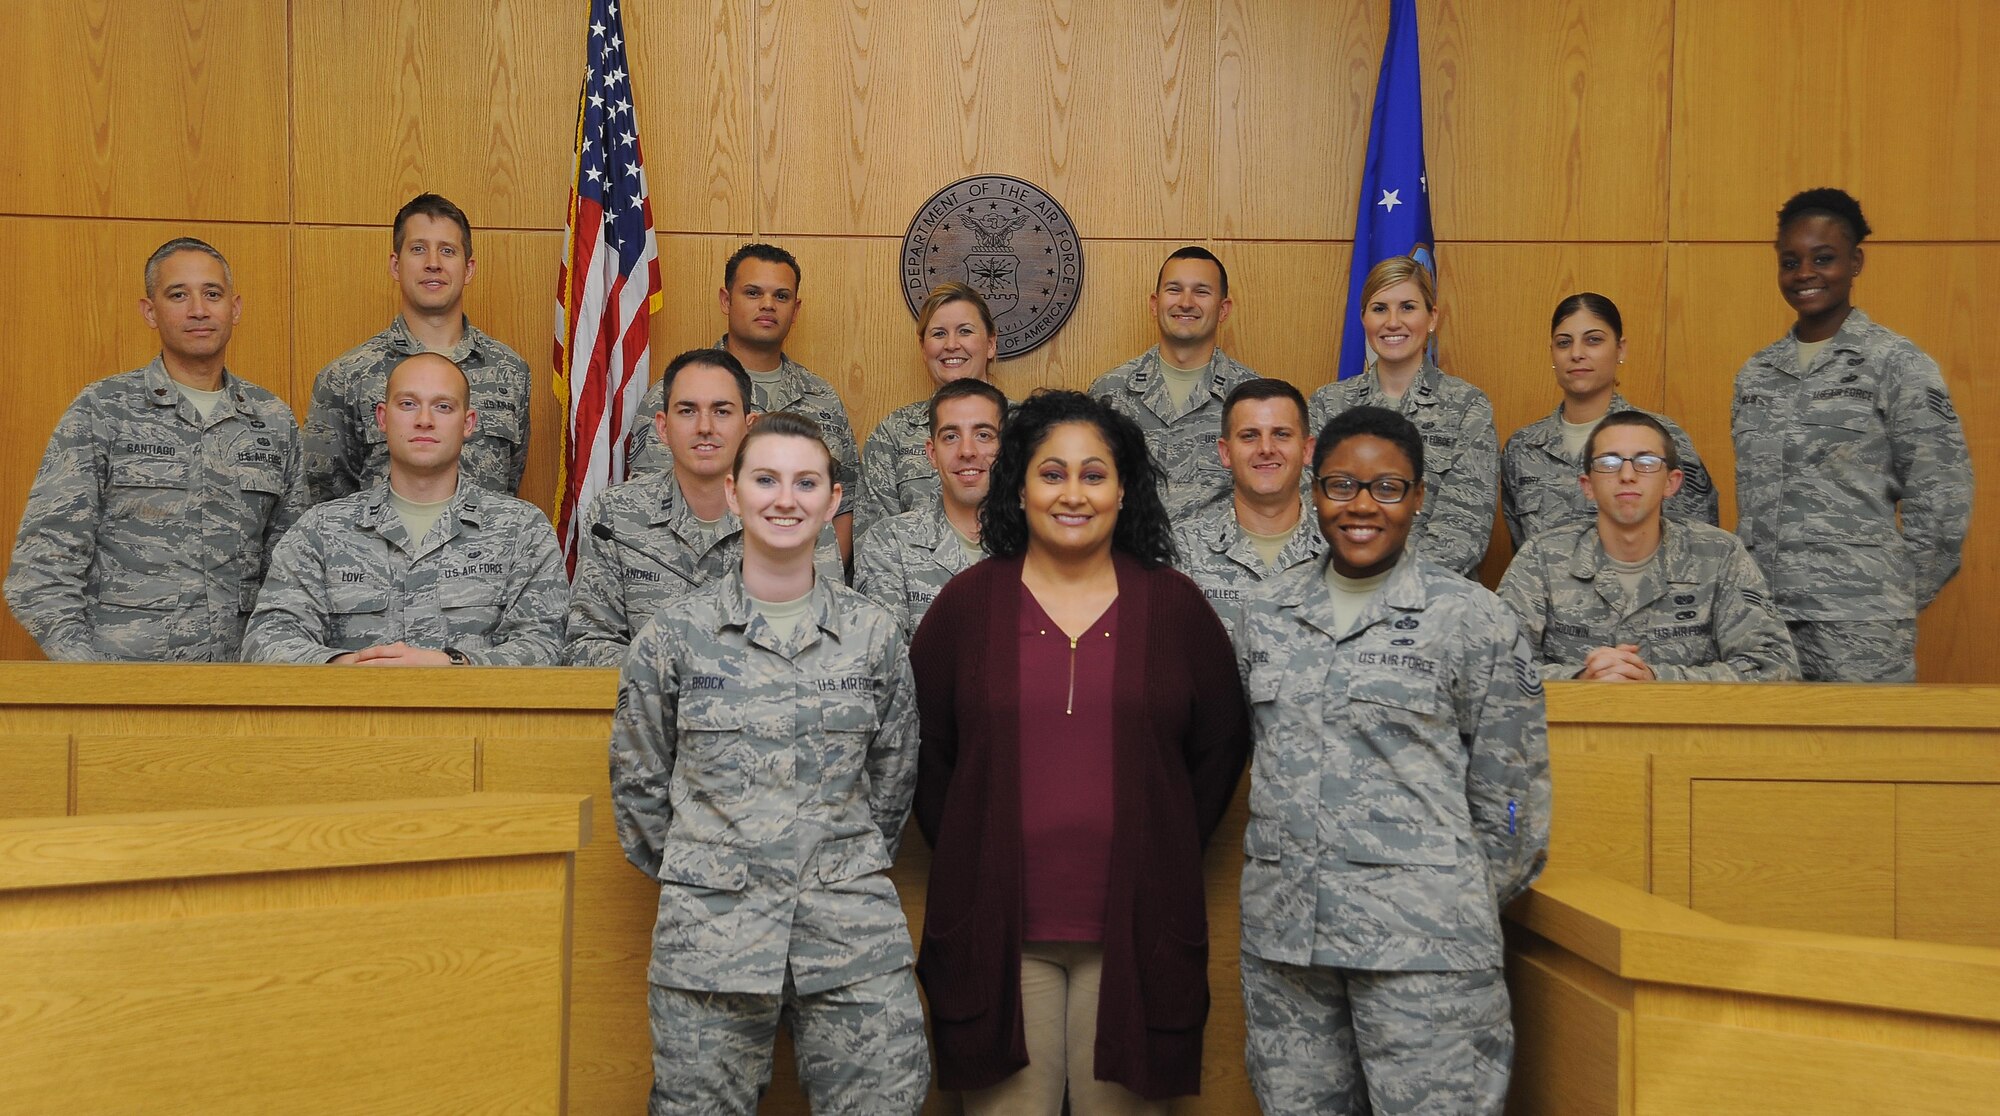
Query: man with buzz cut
(1262, 530)
(163, 490)
(902, 562)
(431, 263)
(1174, 391)
(760, 300)
(425, 568)
(652, 541)
(1633, 595)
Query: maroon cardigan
(1174, 773)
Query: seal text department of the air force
(1011, 242)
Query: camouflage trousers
(1347, 1042)
(859, 1048)
(1856, 650)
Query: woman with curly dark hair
(1083, 728)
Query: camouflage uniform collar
(161, 390)
(1425, 389)
(379, 516)
(733, 601)
(791, 387)
(1783, 354)
(1149, 382)
(936, 535)
(1224, 534)
(403, 341)
(1308, 591)
(1589, 558)
(1547, 432)
(671, 510)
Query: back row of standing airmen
(164, 491)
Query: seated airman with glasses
(1633, 596)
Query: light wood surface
(1808, 855)
(1947, 840)
(382, 957)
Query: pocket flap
(703, 865)
(707, 714)
(1412, 692)
(848, 716)
(850, 857)
(1264, 685)
(144, 592)
(1260, 839)
(132, 471)
(1400, 843)
(343, 598)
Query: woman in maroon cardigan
(1083, 728)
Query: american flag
(610, 281)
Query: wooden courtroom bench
(1867, 810)
(367, 957)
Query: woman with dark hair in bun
(1542, 461)
(1853, 485)
(1082, 731)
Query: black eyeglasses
(1385, 490)
(1641, 462)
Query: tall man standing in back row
(760, 300)
(432, 265)
(163, 490)
(1176, 389)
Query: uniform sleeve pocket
(1397, 843)
(850, 857)
(699, 864)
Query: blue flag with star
(1393, 214)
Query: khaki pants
(1059, 1016)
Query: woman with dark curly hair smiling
(1083, 728)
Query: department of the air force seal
(1011, 242)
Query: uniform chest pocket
(713, 761)
(1398, 690)
(260, 479)
(137, 471)
(357, 612)
(499, 418)
(849, 722)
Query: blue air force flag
(1393, 217)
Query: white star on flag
(1390, 201)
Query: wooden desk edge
(1645, 938)
(122, 848)
(264, 684)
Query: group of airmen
(181, 514)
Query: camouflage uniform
(1825, 464)
(1539, 488)
(1701, 613)
(487, 579)
(1183, 438)
(896, 476)
(148, 527)
(1216, 553)
(345, 449)
(903, 562)
(763, 781)
(1461, 458)
(657, 554)
(1399, 798)
(799, 392)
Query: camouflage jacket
(1399, 792)
(764, 782)
(904, 561)
(896, 477)
(1701, 613)
(345, 450)
(487, 579)
(1539, 488)
(148, 528)
(1183, 438)
(657, 554)
(1461, 459)
(1827, 461)
(1215, 552)
(799, 392)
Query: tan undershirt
(761, 384)
(205, 402)
(967, 543)
(783, 616)
(1351, 595)
(1574, 435)
(1269, 546)
(1809, 352)
(1181, 381)
(417, 518)
(1629, 573)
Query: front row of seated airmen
(1066, 719)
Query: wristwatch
(456, 656)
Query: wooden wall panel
(1294, 87)
(1895, 101)
(85, 279)
(136, 108)
(692, 98)
(343, 274)
(1547, 121)
(473, 99)
(864, 110)
(1947, 844)
(1809, 856)
(1723, 306)
(1288, 298)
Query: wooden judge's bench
(246, 889)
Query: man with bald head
(163, 489)
(424, 568)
